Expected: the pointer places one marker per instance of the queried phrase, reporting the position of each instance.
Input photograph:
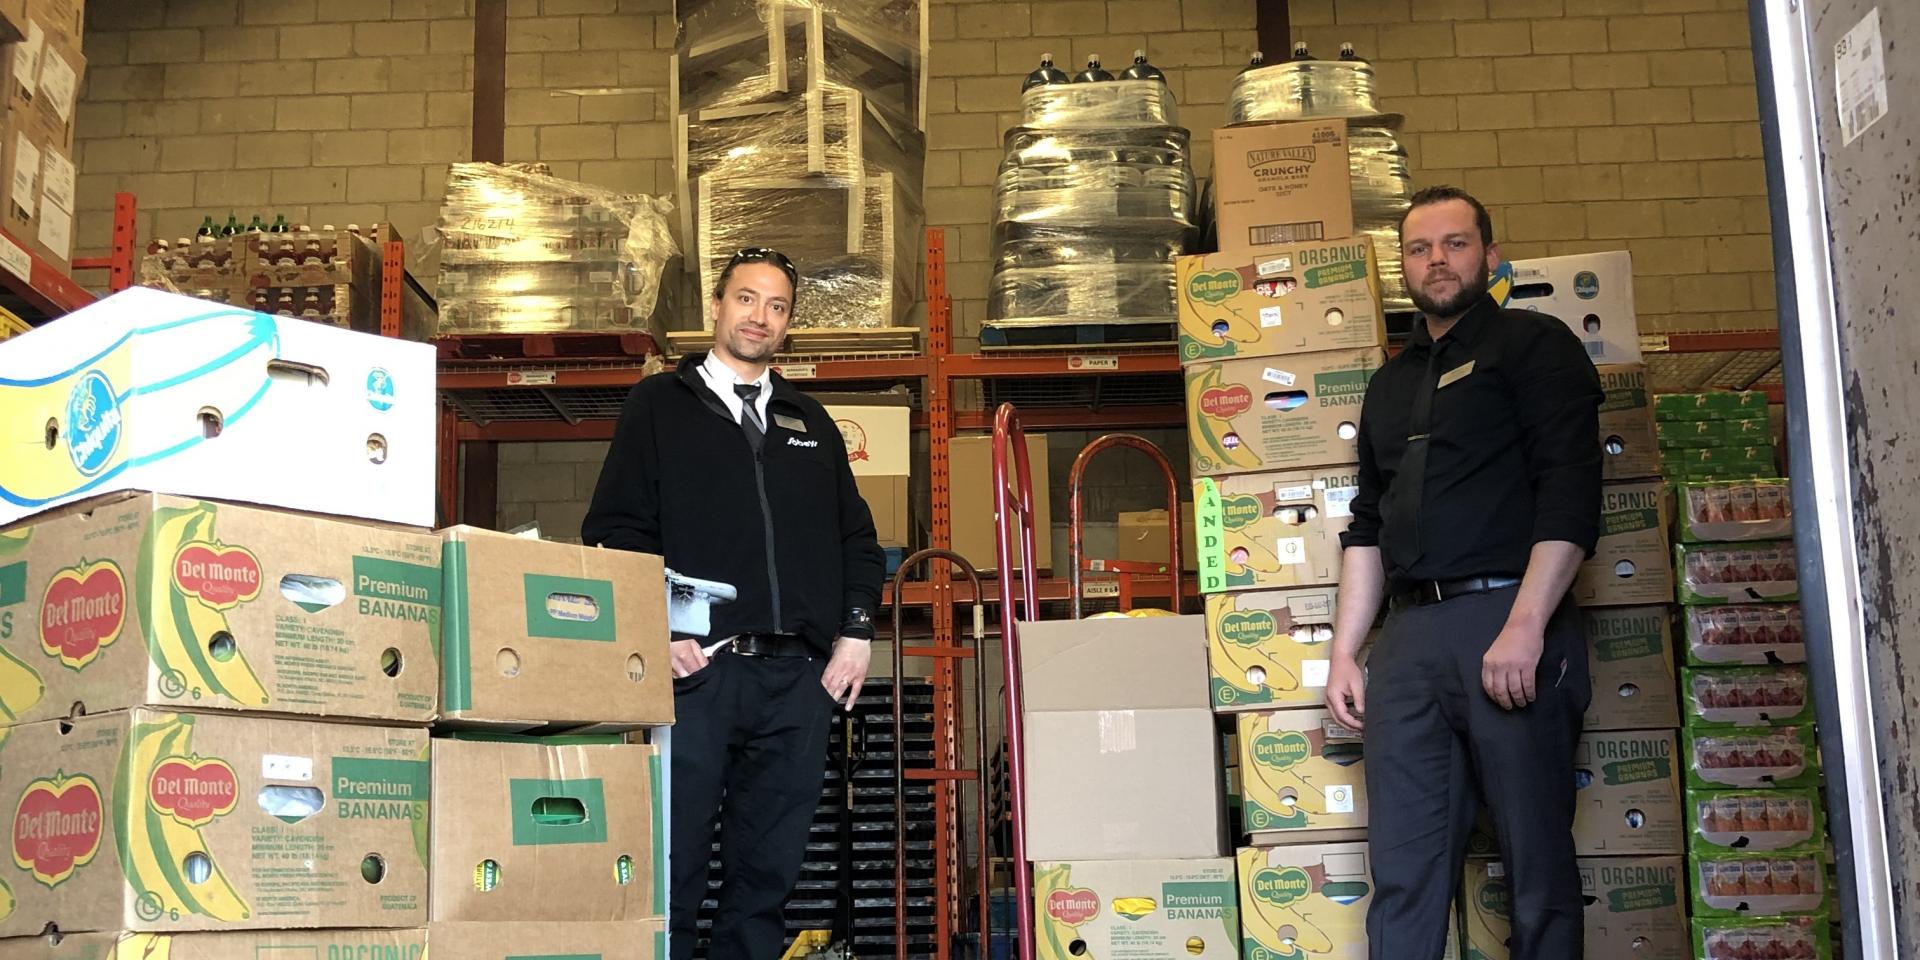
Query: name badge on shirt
(1457, 373)
(791, 423)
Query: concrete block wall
(549, 484)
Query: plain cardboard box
(1118, 760)
(886, 499)
(1280, 301)
(552, 635)
(1319, 892)
(547, 831)
(1302, 777)
(37, 192)
(970, 478)
(13, 21)
(1630, 564)
(879, 441)
(294, 824)
(1143, 537)
(1260, 531)
(1278, 183)
(1630, 656)
(1269, 648)
(1629, 444)
(375, 944)
(150, 600)
(1635, 908)
(546, 940)
(146, 390)
(1136, 908)
(1629, 797)
(1277, 413)
(1592, 293)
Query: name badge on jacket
(1457, 373)
(795, 424)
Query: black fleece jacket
(682, 481)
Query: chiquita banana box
(1269, 648)
(148, 390)
(235, 945)
(1266, 530)
(1136, 910)
(1302, 776)
(156, 822)
(1305, 902)
(1277, 413)
(150, 600)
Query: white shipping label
(1340, 501)
(56, 230)
(58, 82)
(1118, 732)
(1311, 607)
(1269, 316)
(1339, 798)
(1280, 377)
(14, 257)
(26, 56)
(26, 167)
(1292, 494)
(1268, 268)
(1290, 549)
(57, 179)
(274, 766)
(1313, 673)
(1860, 77)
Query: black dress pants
(1435, 740)
(749, 755)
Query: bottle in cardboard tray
(232, 226)
(279, 224)
(207, 229)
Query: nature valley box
(1309, 900)
(1628, 800)
(1269, 648)
(1277, 413)
(1279, 301)
(542, 940)
(133, 600)
(1136, 909)
(1635, 909)
(1629, 444)
(547, 831)
(1630, 655)
(1302, 777)
(409, 944)
(1630, 564)
(151, 821)
(552, 635)
(1272, 529)
(1281, 183)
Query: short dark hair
(758, 255)
(1442, 194)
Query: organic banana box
(410, 944)
(1630, 564)
(1630, 658)
(1636, 909)
(165, 601)
(1304, 901)
(1302, 777)
(157, 822)
(148, 390)
(544, 940)
(1628, 802)
(552, 635)
(1279, 301)
(547, 831)
(1266, 530)
(1136, 910)
(1269, 648)
(1277, 413)
(1629, 443)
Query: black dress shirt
(1512, 452)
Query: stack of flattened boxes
(40, 71)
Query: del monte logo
(1225, 403)
(217, 575)
(1282, 887)
(1073, 907)
(1239, 511)
(193, 791)
(57, 827)
(1248, 628)
(1493, 898)
(93, 423)
(82, 612)
(1213, 287)
(1281, 750)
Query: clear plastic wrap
(1096, 195)
(1300, 89)
(1039, 147)
(524, 252)
(1025, 245)
(734, 52)
(1386, 254)
(1130, 103)
(837, 134)
(1082, 293)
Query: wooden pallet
(1078, 334)
(528, 346)
(815, 342)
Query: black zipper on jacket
(760, 485)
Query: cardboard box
(1303, 777)
(1119, 705)
(1739, 884)
(1717, 573)
(1143, 537)
(1318, 892)
(155, 391)
(1277, 413)
(1635, 909)
(1629, 564)
(1630, 656)
(1734, 510)
(1280, 301)
(1278, 183)
(1802, 937)
(38, 188)
(231, 945)
(1272, 529)
(134, 600)
(1712, 405)
(552, 635)
(1269, 648)
(1747, 758)
(1592, 293)
(547, 831)
(1772, 820)
(879, 441)
(42, 72)
(970, 480)
(13, 21)
(1629, 445)
(1721, 462)
(887, 499)
(1744, 634)
(291, 824)
(527, 940)
(1727, 697)
(1629, 796)
(1138, 909)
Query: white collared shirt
(720, 378)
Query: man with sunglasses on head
(731, 474)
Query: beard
(1472, 288)
(752, 351)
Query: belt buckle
(742, 646)
(1430, 591)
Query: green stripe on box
(657, 799)
(660, 944)
(528, 796)
(569, 608)
(556, 956)
(13, 584)
(365, 778)
(456, 667)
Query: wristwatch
(857, 624)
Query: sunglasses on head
(767, 255)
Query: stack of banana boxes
(220, 698)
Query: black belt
(770, 645)
(1439, 591)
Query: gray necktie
(749, 414)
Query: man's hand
(1507, 670)
(1347, 691)
(847, 671)
(688, 659)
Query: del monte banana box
(410, 944)
(1136, 909)
(164, 601)
(1302, 777)
(1629, 443)
(1269, 648)
(1304, 901)
(1635, 908)
(1277, 413)
(1630, 564)
(547, 831)
(148, 390)
(149, 821)
(1630, 655)
(544, 635)
(1279, 301)
(545, 940)
(1265, 530)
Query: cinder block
(1579, 182)
(1212, 84)
(1063, 17)
(352, 76)
(1725, 103)
(310, 185)
(543, 34)
(384, 184)
(1653, 105)
(1575, 108)
(1493, 38)
(618, 108)
(1457, 76)
(1450, 10)
(522, 144)
(276, 150)
(1733, 178)
(1704, 293)
(256, 12)
(349, 148)
(310, 113)
(1649, 181)
(1694, 68)
(556, 8)
(450, 36)
(1200, 48)
(629, 32)
(962, 130)
(1549, 72)
(1129, 16)
(431, 71)
(1495, 111)
(943, 168)
(430, 145)
(163, 46)
(1475, 149)
(1750, 253)
(1654, 294)
(1577, 35)
(1740, 66)
(577, 142)
(1624, 218)
(986, 94)
(1003, 19)
(159, 190)
(641, 68)
(941, 25)
(395, 38)
(281, 78)
(355, 11)
(99, 121)
(1502, 185)
(453, 109)
(962, 205)
(431, 9)
(1113, 49)
(223, 44)
(1615, 145)
(1310, 12)
(632, 176)
(201, 13)
(1694, 141)
(1645, 33)
(1410, 41)
(1542, 221)
(1610, 71)
(1011, 59)
(389, 111)
(638, 141)
(1537, 147)
(240, 115)
(105, 49)
(1706, 217)
(201, 152)
(185, 80)
(125, 155)
(979, 167)
(587, 69)
(155, 118)
(233, 188)
(1718, 30)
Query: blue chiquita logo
(380, 389)
(1586, 285)
(93, 423)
